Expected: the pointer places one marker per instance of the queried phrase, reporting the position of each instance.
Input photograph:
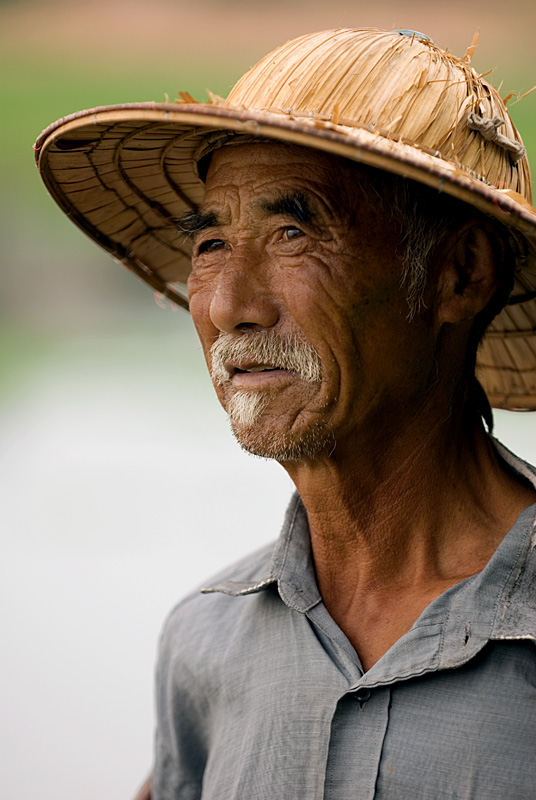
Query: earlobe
(470, 274)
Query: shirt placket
(357, 734)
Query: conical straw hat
(391, 100)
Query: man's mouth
(258, 359)
(254, 368)
(251, 375)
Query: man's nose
(244, 296)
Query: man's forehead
(269, 177)
(283, 198)
(262, 151)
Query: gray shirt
(260, 696)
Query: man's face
(295, 293)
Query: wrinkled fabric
(260, 696)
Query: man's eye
(210, 245)
(291, 232)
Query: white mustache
(284, 352)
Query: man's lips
(251, 374)
(250, 368)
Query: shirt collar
(290, 567)
(498, 603)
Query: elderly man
(357, 213)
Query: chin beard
(246, 408)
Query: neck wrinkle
(412, 508)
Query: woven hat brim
(124, 173)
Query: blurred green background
(120, 486)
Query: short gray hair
(421, 235)
(424, 217)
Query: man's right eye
(210, 245)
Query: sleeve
(182, 718)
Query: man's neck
(402, 521)
(425, 505)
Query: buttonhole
(467, 634)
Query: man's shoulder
(248, 570)
(203, 603)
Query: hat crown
(401, 86)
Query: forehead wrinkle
(225, 202)
(315, 200)
(322, 179)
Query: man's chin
(258, 434)
(260, 439)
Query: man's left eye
(291, 232)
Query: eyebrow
(294, 205)
(193, 222)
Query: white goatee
(244, 408)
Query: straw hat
(392, 100)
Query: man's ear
(470, 272)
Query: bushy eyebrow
(193, 222)
(294, 205)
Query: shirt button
(362, 695)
